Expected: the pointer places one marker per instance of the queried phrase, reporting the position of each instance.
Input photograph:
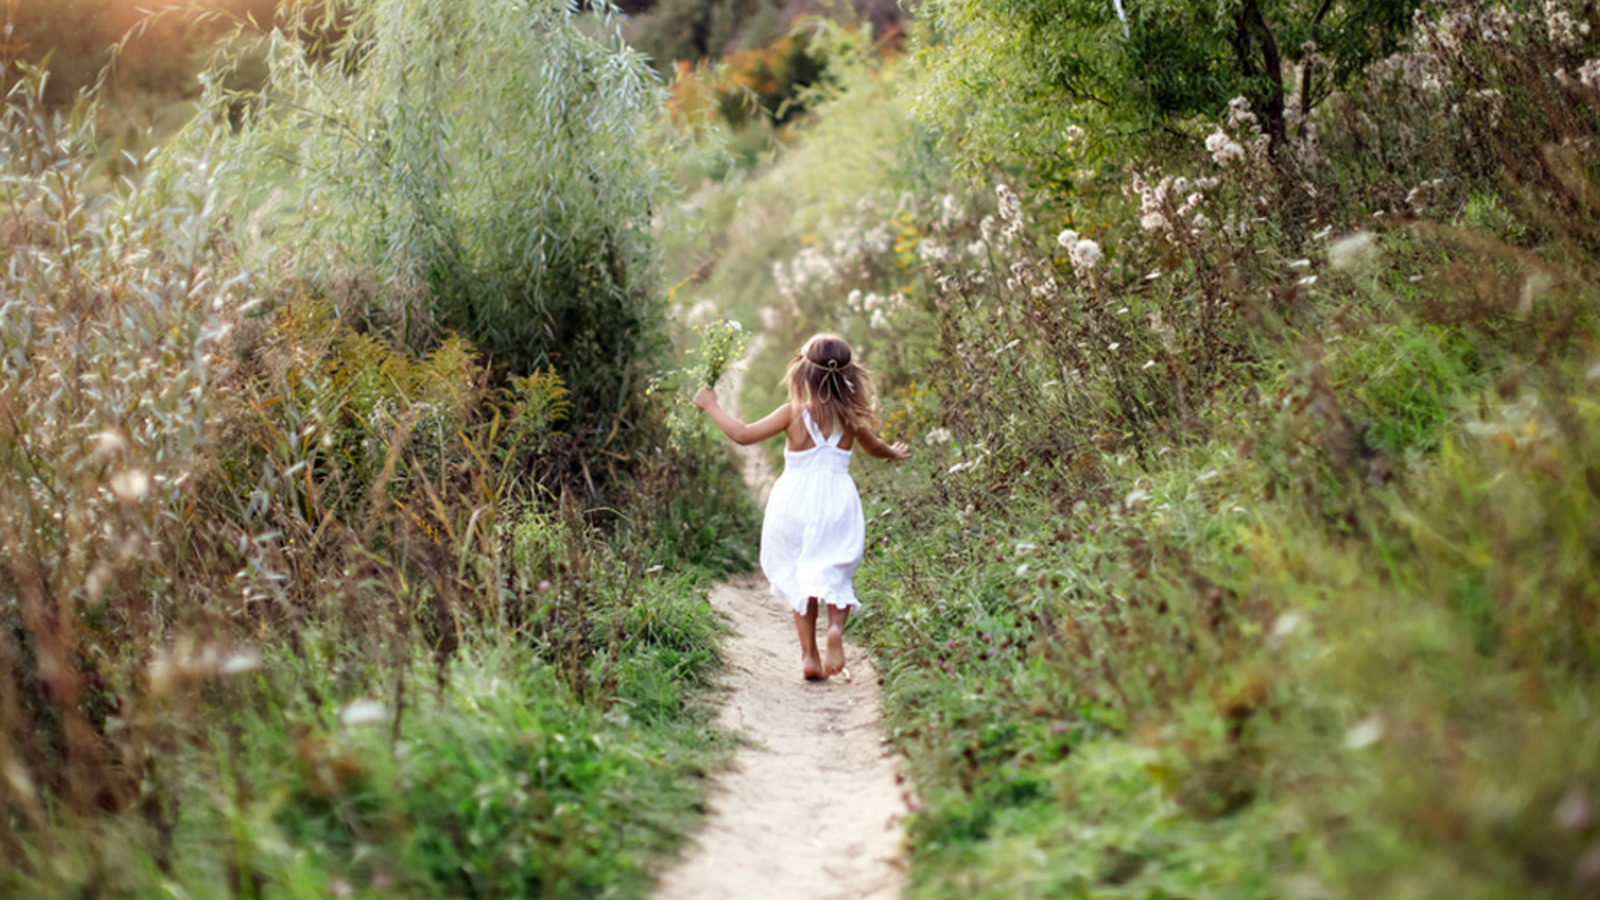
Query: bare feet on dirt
(810, 807)
(835, 652)
(811, 667)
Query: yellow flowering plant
(721, 345)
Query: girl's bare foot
(811, 668)
(835, 650)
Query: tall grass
(294, 600)
(1242, 556)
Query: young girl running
(813, 533)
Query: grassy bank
(1247, 551)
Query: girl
(813, 533)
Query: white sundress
(813, 532)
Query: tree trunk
(1272, 62)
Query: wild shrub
(473, 167)
(115, 315)
(245, 517)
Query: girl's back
(813, 532)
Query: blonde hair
(824, 380)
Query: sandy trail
(810, 807)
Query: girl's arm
(755, 432)
(873, 445)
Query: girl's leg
(836, 617)
(810, 661)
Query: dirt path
(810, 807)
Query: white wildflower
(1287, 624)
(363, 712)
(1353, 251)
(1085, 254)
(1561, 27)
(949, 210)
(1224, 149)
(1153, 221)
(1010, 203)
(937, 436)
(1239, 114)
(107, 443)
(1589, 73)
(130, 485)
(240, 662)
(1067, 238)
(1365, 733)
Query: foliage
(111, 353)
(262, 588)
(1240, 554)
(1006, 81)
(676, 32)
(685, 33)
(471, 167)
(722, 344)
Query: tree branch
(1273, 63)
(1305, 66)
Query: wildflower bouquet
(721, 344)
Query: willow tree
(477, 166)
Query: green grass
(1219, 692)
(501, 782)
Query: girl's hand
(898, 450)
(705, 398)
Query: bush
(475, 168)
